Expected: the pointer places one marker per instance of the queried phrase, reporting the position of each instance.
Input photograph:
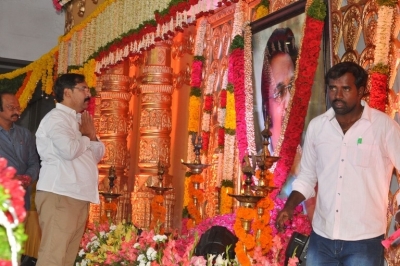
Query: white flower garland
(238, 20)
(229, 156)
(382, 37)
(248, 84)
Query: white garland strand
(383, 28)
(238, 20)
(248, 83)
(229, 157)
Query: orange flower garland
(22, 88)
(195, 215)
(245, 240)
(226, 201)
(158, 211)
(262, 225)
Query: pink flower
(293, 261)
(196, 76)
(198, 261)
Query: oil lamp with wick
(159, 189)
(265, 162)
(196, 167)
(108, 209)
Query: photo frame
(289, 21)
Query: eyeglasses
(84, 89)
(13, 108)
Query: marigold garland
(195, 215)
(157, 211)
(226, 201)
(245, 240)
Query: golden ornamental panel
(157, 79)
(114, 123)
(337, 21)
(156, 88)
(367, 57)
(157, 70)
(278, 4)
(222, 16)
(185, 46)
(112, 104)
(369, 21)
(153, 149)
(159, 119)
(351, 56)
(116, 78)
(115, 153)
(162, 98)
(216, 43)
(352, 27)
(336, 4)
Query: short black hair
(1, 98)
(338, 70)
(282, 40)
(66, 81)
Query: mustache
(87, 99)
(334, 101)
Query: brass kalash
(252, 194)
(108, 209)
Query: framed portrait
(276, 44)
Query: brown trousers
(62, 220)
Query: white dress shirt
(353, 172)
(68, 159)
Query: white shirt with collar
(353, 172)
(68, 159)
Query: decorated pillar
(113, 126)
(155, 127)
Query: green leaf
(380, 68)
(226, 183)
(237, 43)
(317, 10)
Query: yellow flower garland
(230, 119)
(194, 115)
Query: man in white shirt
(350, 151)
(69, 151)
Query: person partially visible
(277, 76)
(350, 151)
(68, 180)
(17, 144)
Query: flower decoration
(306, 66)
(158, 211)
(12, 214)
(226, 201)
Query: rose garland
(306, 66)
(378, 79)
